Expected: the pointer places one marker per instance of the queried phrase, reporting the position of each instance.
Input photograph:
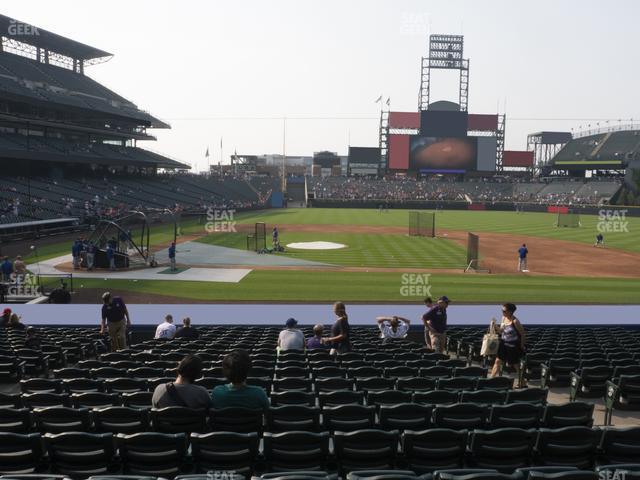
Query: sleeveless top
(510, 335)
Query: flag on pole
(379, 99)
(207, 153)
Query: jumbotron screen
(442, 155)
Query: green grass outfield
(321, 286)
(529, 223)
(371, 250)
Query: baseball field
(380, 262)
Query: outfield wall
(311, 314)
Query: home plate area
(319, 245)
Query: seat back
(178, 420)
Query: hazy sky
(233, 69)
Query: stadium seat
(568, 414)
(620, 445)
(340, 397)
(121, 420)
(41, 385)
(152, 454)
(292, 397)
(435, 449)
(224, 451)
(438, 371)
(382, 475)
(568, 446)
(15, 420)
(289, 451)
(622, 392)
(94, 400)
(375, 383)
(365, 449)
(528, 395)
(82, 385)
(436, 397)
(333, 383)
(456, 383)
(126, 385)
(416, 384)
(523, 473)
(515, 415)
(589, 382)
(484, 397)
(568, 475)
(503, 449)
(42, 400)
(460, 416)
(293, 417)
(494, 383)
(346, 418)
(405, 416)
(21, 454)
(293, 383)
(235, 419)
(10, 400)
(178, 420)
(137, 399)
(81, 454)
(62, 419)
(387, 397)
(478, 372)
(556, 372)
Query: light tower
(445, 53)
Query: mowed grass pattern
(529, 223)
(370, 250)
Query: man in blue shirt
(111, 256)
(76, 249)
(7, 269)
(172, 256)
(522, 258)
(435, 321)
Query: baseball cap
(106, 295)
(444, 299)
(6, 310)
(291, 322)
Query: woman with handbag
(512, 341)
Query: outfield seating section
(76, 197)
(82, 412)
(485, 191)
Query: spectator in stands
(393, 328)
(187, 331)
(523, 251)
(339, 340)
(7, 269)
(20, 269)
(512, 341)
(91, 255)
(76, 250)
(172, 256)
(291, 338)
(235, 367)
(14, 322)
(428, 302)
(166, 330)
(182, 392)
(6, 316)
(32, 340)
(435, 320)
(316, 341)
(111, 256)
(60, 294)
(116, 318)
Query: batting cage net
(257, 241)
(473, 251)
(422, 224)
(569, 219)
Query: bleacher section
(111, 195)
(72, 409)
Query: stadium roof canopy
(38, 37)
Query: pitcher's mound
(315, 245)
